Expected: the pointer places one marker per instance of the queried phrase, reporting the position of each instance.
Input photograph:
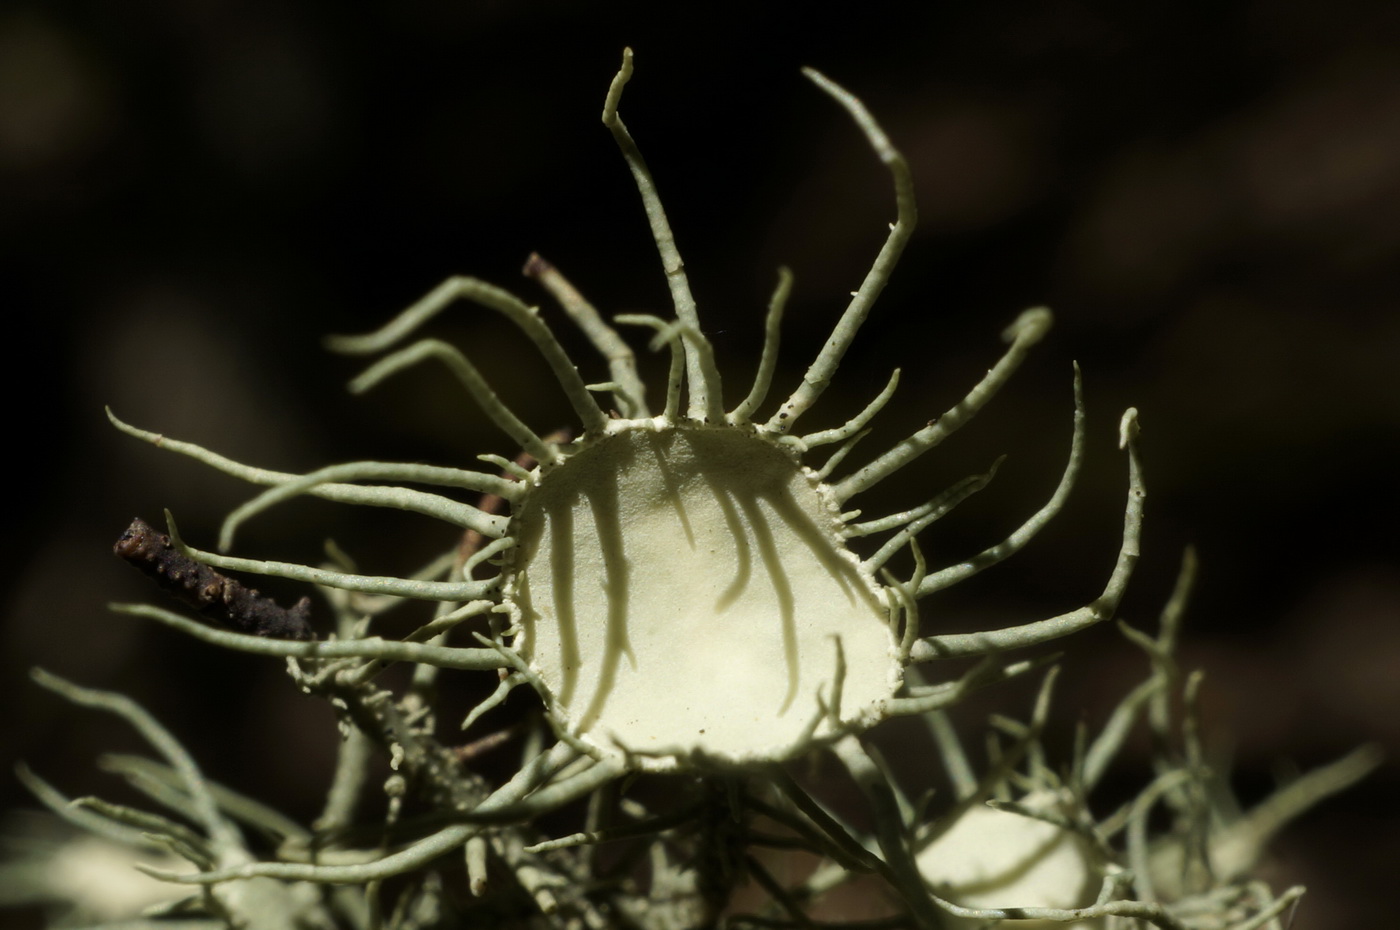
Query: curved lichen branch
(696, 343)
(701, 376)
(818, 375)
(1115, 732)
(432, 505)
(836, 458)
(1153, 913)
(810, 819)
(984, 674)
(153, 778)
(505, 803)
(495, 698)
(366, 606)
(1239, 845)
(973, 791)
(649, 827)
(516, 661)
(908, 605)
(1103, 607)
(68, 810)
(372, 647)
(929, 511)
(488, 295)
(173, 836)
(368, 584)
(593, 775)
(221, 833)
(920, 518)
(399, 863)
(666, 334)
(472, 380)
(1028, 530)
(856, 423)
(768, 360)
(333, 490)
(1028, 329)
(630, 392)
(891, 830)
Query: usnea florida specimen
(677, 587)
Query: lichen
(691, 598)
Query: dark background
(1208, 195)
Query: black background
(193, 193)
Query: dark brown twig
(211, 594)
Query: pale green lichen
(679, 591)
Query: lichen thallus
(676, 586)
